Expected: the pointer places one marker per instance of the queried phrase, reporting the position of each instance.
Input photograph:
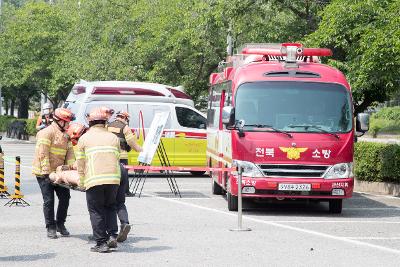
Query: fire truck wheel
(200, 173)
(335, 206)
(216, 189)
(232, 202)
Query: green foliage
(376, 162)
(4, 122)
(365, 38)
(388, 113)
(31, 127)
(385, 120)
(48, 47)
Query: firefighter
(52, 150)
(127, 141)
(67, 174)
(97, 157)
(46, 117)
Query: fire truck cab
(287, 120)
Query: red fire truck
(287, 120)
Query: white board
(153, 137)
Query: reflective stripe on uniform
(58, 151)
(102, 149)
(44, 162)
(36, 170)
(80, 155)
(43, 141)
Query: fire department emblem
(293, 152)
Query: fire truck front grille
(293, 171)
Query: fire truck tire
(335, 206)
(216, 189)
(232, 202)
(199, 173)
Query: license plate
(295, 187)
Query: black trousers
(123, 187)
(63, 195)
(101, 200)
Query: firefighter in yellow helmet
(52, 150)
(97, 157)
(127, 141)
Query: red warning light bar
(307, 52)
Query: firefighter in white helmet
(97, 157)
(127, 141)
(46, 117)
(52, 150)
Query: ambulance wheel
(232, 202)
(335, 206)
(199, 173)
(216, 188)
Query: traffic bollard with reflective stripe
(17, 197)
(240, 227)
(3, 187)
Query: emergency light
(287, 49)
(124, 91)
(78, 89)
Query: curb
(381, 188)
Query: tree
(29, 46)
(365, 38)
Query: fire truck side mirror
(228, 115)
(362, 122)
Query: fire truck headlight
(249, 169)
(340, 170)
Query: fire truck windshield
(291, 106)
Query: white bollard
(240, 227)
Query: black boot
(112, 242)
(51, 232)
(102, 248)
(62, 230)
(123, 233)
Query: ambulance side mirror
(362, 122)
(228, 115)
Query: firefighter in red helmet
(52, 150)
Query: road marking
(380, 222)
(23, 166)
(389, 208)
(315, 233)
(372, 238)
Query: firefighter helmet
(123, 114)
(107, 110)
(75, 130)
(47, 106)
(97, 114)
(63, 114)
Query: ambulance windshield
(294, 106)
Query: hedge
(377, 162)
(385, 120)
(30, 124)
(389, 113)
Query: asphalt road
(195, 230)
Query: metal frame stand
(140, 176)
(17, 200)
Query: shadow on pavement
(33, 257)
(184, 194)
(359, 206)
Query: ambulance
(287, 120)
(184, 136)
